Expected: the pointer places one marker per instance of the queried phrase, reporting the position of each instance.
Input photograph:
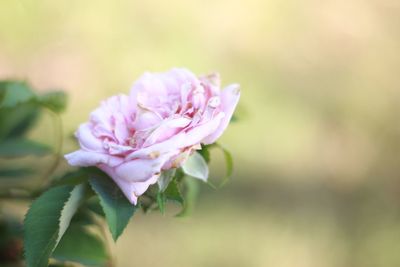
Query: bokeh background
(317, 143)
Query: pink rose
(163, 120)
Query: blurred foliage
(318, 145)
(20, 108)
(58, 223)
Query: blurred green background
(317, 144)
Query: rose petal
(198, 133)
(171, 145)
(229, 99)
(146, 119)
(87, 140)
(84, 158)
(139, 170)
(121, 130)
(166, 129)
(132, 190)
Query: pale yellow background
(317, 144)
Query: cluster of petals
(165, 117)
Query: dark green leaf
(148, 200)
(173, 193)
(83, 216)
(81, 246)
(117, 208)
(161, 199)
(73, 178)
(17, 120)
(205, 153)
(196, 166)
(47, 220)
(15, 172)
(93, 204)
(22, 147)
(55, 101)
(13, 93)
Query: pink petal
(169, 146)
(198, 133)
(146, 119)
(87, 140)
(182, 75)
(229, 99)
(166, 129)
(84, 158)
(140, 170)
(121, 130)
(132, 190)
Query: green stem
(58, 147)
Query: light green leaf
(234, 118)
(196, 166)
(18, 147)
(81, 246)
(228, 162)
(55, 101)
(165, 179)
(70, 208)
(205, 152)
(117, 208)
(47, 220)
(189, 195)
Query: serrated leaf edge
(55, 233)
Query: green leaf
(205, 153)
(196, 166)
(16, 172)
(83, 216)
(165, 179)
(94, 206)
(13, 93)
(234, 118)
(47, 220)
(55, 101)
(161, 200)
(189, 195)
(16, 121)
(172, 192)
(228, 164)
(117, 208)
(22, 147)
(73, 178)
(81, 246)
